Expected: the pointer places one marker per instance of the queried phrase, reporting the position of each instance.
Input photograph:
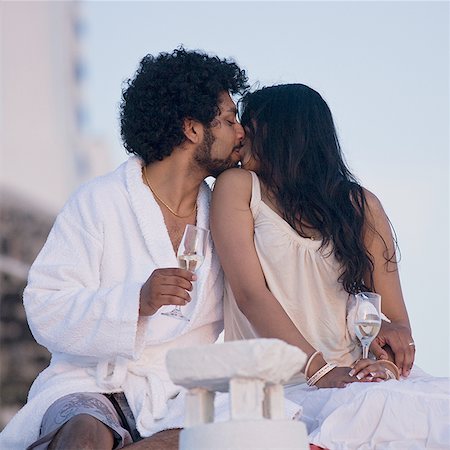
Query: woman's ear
(193, 130)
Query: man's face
(219, 149)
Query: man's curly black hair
(166, 90)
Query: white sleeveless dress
(413, 413)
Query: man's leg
(83, 432)
(81, 421)
(164, 440)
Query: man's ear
(193, 130)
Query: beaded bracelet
(320, 374)
(310, 360)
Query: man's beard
(202, 156)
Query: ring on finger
(412, 344)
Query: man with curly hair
(97, 291)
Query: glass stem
(365, 353)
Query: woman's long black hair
(294, 140)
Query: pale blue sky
(383, 68)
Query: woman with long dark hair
(297, 237)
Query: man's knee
(83, 432)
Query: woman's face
(248, 161)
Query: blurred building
(44, 156)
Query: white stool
(253, 371)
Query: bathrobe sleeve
(70, 309)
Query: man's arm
(70, 309)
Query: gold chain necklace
(162, 201)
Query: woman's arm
(380, 244)
(232, 229)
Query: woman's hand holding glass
(364, 370)
(367, 370)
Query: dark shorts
(110, 409)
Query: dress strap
(256, 193)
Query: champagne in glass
(367, 319)
(190, 262)
(191, 253)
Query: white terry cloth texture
(82, 303)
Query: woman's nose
(240, 133)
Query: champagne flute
(367, 319)
(190, 255)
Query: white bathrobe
(82, 303)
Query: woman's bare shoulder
(233, 180)
(373, 203)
